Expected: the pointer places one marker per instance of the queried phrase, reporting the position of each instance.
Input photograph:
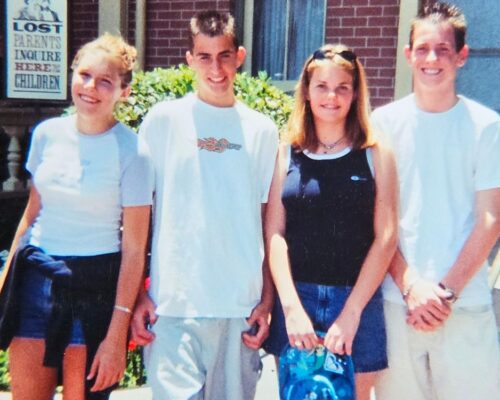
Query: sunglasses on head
(347, 55)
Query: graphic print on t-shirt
(217, 145)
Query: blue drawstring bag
(315, 374)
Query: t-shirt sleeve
(153, 131)
(379, 131)
(487, 173)
(137, 180)
(35, 151)
(375, 120)
(268, 160)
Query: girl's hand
(427, 306)
(300, 330)
(108, 365)
(341, 334)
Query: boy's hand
(144, 314)
(260, 318)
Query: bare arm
(30, 213)
(341, 334)
(299, 327)
(261, 313)
(109, 363)
(268, 286)
(479, 243)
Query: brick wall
(83, 25)
(165, 31)
(166, 28)
(370, 27)
(131, 22)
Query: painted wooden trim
(407, 11)
(113, 17)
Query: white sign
(37, 32)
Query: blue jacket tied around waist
(82, 288)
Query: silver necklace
(330, 147)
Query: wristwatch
(451, 295)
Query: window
(284, 34)
(475, 78)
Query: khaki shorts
(459, 361)
(201, 358)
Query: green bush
(151, 87)
(135, 374)
(4, 371)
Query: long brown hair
(301, 132)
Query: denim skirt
(323, 304)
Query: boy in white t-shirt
(214, 159)
(442, 336)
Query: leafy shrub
(135, 373)
(148, 88)
(258, 93)
(4, 371)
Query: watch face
(451, 296)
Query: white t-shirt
(442, 160)
(84, 181)
(214, 167)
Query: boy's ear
(463, 54)
(189, 57)
(240, 56)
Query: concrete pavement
(267, 387)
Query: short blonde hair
(301, 131)
(117, 49)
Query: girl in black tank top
(331, 219)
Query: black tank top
(329, 217)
